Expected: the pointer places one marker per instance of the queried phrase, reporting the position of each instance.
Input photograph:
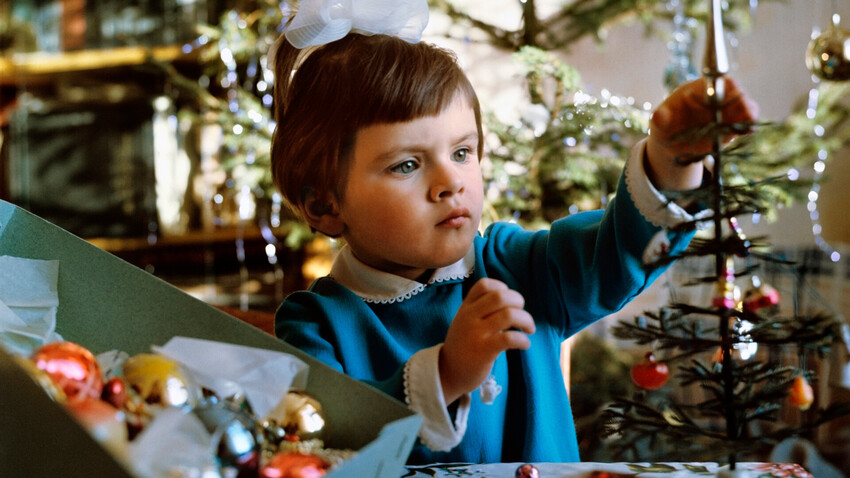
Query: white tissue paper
(264, 376)
(152, 453)
(176, 439)
(28, 303)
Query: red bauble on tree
(650, 374)
(760, 297)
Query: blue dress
(585, 267)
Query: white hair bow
(318, 22)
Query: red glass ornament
(115, 392)
(649, 374)
(801, 394)
(74, 369)
(760, 297)
(527, 471)
(288, 464)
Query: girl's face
(414, 193)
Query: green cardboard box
(108, 304)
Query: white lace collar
(381, 287)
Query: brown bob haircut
(347, 85)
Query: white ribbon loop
(318, 22)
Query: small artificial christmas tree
(733, 383)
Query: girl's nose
(447, 180)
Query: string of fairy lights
(827, 60)
(818, 167)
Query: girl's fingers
(513, 339)
(511, 319)
(488, 296)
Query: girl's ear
(322, 215)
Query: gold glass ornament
(160, 380)
(828, 54)
(303, 417)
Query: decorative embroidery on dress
(400, 298)
(424, 395)
(650, 202)
(378, 287)
(489, 390)
(415, 291)
(406, 381)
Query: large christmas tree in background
(562, 156)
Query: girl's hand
(685, 109)
(490, 320)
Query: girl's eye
(405, 167)
(461, 155)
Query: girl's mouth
(456, 218)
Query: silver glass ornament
(235, 435)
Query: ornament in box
(234, 434)
(291, 464)
(303, 418)
(161, 381)
(72, 367)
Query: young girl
(378, 143)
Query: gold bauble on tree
(828, 54)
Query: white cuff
(651, 203)
(424, 395)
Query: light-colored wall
(769, 63)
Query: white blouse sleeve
(424, 395)
(651, 203)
